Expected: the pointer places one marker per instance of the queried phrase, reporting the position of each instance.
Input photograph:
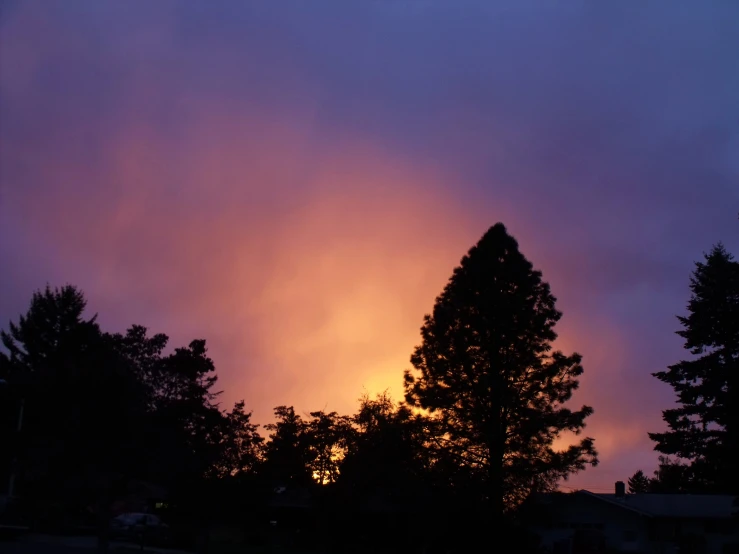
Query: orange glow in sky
(297, 192)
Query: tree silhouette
(673, 476)
(241, 445)
(704, 429)
(84, 411)
(288, 457)
(189, 436)
(144, 355)
(186, 433)
(386, 451)
(104, 410)
(327, 436)
(639, 483)
(486, 371)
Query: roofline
(614, 503)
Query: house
(583, 521)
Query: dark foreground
(50, 544)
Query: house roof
(695, 506)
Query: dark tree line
(101, 409)
(485, 400)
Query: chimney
(620, 489)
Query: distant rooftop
(719, 506)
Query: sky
(295, 181)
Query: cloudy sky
(295, 181)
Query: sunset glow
(298, 194)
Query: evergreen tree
(704, 428)
(639, 483)
(486, 372)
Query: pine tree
(704, 429)
(486, 372)
(639, 483)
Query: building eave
(615, 503)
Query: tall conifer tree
(486, 371)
